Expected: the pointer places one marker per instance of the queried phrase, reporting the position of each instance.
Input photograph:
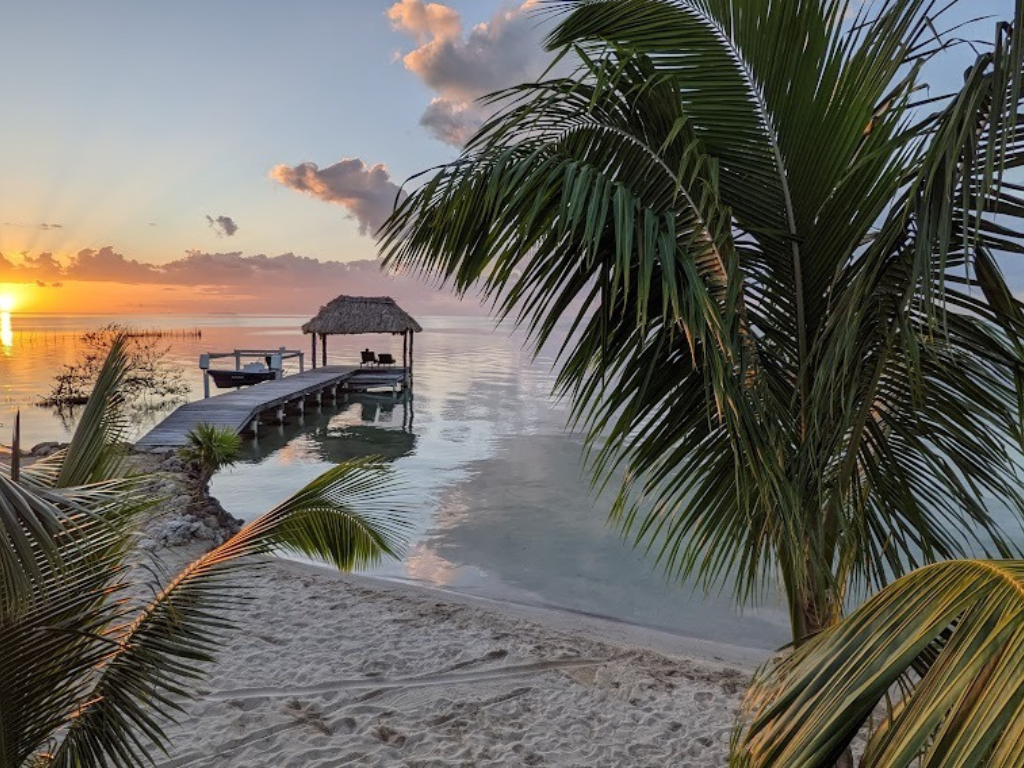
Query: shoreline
(599, 628)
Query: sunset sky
(236, 156)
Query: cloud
(452, 122)
(366, 192)
(287, 282)
(48, 227)
(224, 226)
(461, 67)
(425, 21)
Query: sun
(7, 302)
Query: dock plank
(238, 408)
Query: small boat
(244, 378)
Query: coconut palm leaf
(52, 647)
(52, 498)
(950, 636)
(96, 449)
(346, 517)
(28, 525)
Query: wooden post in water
(16, 448)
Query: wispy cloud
(365, 191)
(43, 226)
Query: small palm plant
(89, 677)
(210, 448)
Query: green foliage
(950, 636)
(88, 676)
(38, 511)
(212, 448)
(791, 334)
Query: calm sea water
(502, 506)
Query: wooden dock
(241, 409)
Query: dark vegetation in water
(151, 378)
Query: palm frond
(28, 527)
(950, 636)
(96, 449)
(52, 645)
(346, 517)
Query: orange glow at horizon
(6, 333)
(109, 298)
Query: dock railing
(274, 359)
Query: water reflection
(501, 506)
(6, 333)
(358, 426)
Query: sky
(236, 155)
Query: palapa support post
(313, 338)
(412, 339)
(323, 349)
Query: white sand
(331, 670)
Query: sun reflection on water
(6, 333)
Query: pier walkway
(242, 407)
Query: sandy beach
(330, 670)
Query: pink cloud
(287, 282)
(366, 192)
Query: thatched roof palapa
(361, 314)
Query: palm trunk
(811, 610)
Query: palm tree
(88, 675)
(949, 637)
(780, 261)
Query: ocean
(502, 507)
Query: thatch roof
(361, 314)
